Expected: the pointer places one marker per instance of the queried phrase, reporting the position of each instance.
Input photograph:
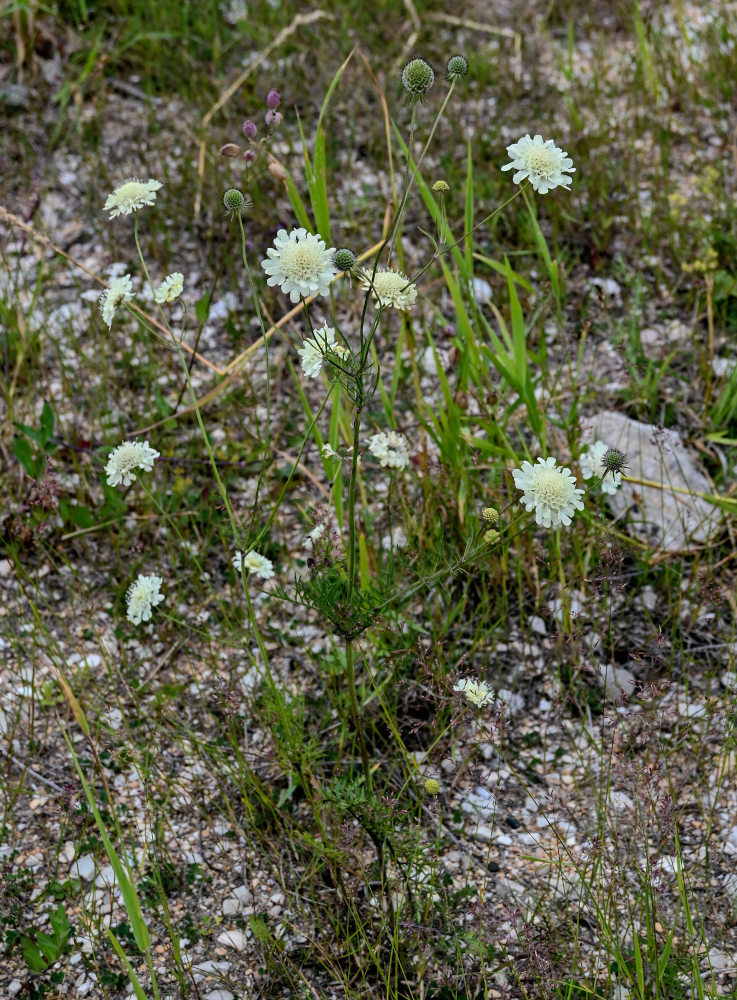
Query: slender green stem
(351, 671)
(352, 504)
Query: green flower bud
(457, 67)
(344, 259)
(235, 202)
(432, 787)
(417, 78)
(492, 536)
(490, 515)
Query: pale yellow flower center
(540, 161)
(552, 488)
(300, 263)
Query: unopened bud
(230, 149)
(490, 515)
(344, 259)
(432, 787)
(273, 118)
(457, 67)
(418, 77)
(249, 129)
(273, 99)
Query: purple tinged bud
(273, 99)
(273, 118)
(249, 156)
(249, 129)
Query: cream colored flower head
(120, 291)
(540, 161)
(170, 288)
(143, 595)
(477, 692)
(300, 264)
(130, 196)
(313, 352)
(592, 466)
(392, 449)
(548, 490)
(252, 562)
(390, 288)
(125, 458)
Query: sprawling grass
(299, 739)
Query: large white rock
(666, 518)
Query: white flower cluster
(541, 162)
(170, 288)
(548, 490)
(130, 196)
(390, 288)
(143, 595)
(252, 562)
(314, 351)
(477, 692)
(300, 264)
(120, 291)
(125, 458)
(592, 467)
(391, 449)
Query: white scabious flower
(120, 291)
(125, 458)
(392, 449)
(390, 288)
(314, 351)
(143, 595)
(548, 490)
(541, 161)
(316, 534)
(328, 452)
(300, 264)
(592, 465)
(254, 563)
(477, 692)
(130, 196)
(170, 288)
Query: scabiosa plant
(592, 465)
(170, 288)
(314, 351)
(236, 203)
(540, 161)
(345, 260)
(143, 595)
(390, 288)
(548, 490)
(125, 458)
(457, 67)
(392, 449)
(120, 291)
(252, 562)
(130, 196)
(300, 264)
(418, 77)
(477, 692)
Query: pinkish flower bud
(250, 156)
(249, 129)
(273, 118)
(273, 99)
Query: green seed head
(235, 202)
(432, 787)
(492, 536)
(417, 78)
(457, 67)
(614, 461)
(344, 259)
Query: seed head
(417, 78)
(235, 202)
(614, 461)
(440, 186)
(490, 515)
(432, 787)
(457, 67)
(344, 259)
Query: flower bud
(249, 156)
(273, 118)
(490, 515)
(457, 67)
(273, 99)
(417, 78)
(229, 149)
(432, 787)
(614, 461)
(249, 129)
(440, 186)
(344, 259)
(492, 536)
(235, 201)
